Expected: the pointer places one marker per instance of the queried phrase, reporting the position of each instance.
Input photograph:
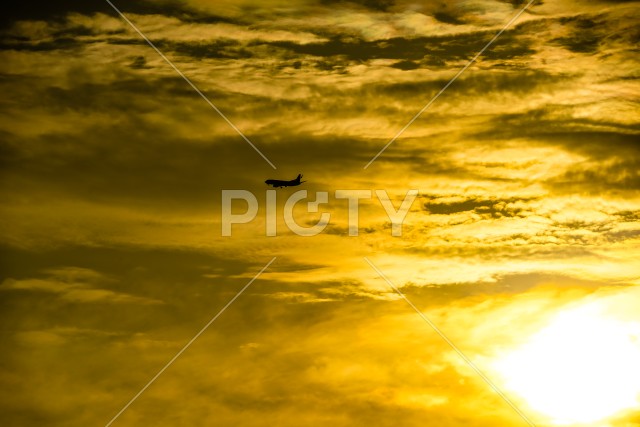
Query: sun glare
(583, 368)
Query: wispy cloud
(75, 285)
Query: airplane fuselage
(276, 183)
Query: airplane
(277, 183)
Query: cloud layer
(112, 169)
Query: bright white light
(582, 368)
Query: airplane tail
(299, 177)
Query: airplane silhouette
(278, 183)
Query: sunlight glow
(582, 368)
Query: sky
(522, 247)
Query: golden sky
(523, 245)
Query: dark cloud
(177, 278)
(55, 11)
(427, 49)
(584, 37)
(379, 5)
(433, 295)
(447, 18)
(628, 216)
(406, 65)
(21, 44)
(138, 63)
(488, 208)
(555, 124)
(606, 170)
(47, 10)
(220, 49)
(477, 84)
(616, 177)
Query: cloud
(76, 286)
(488, 207)
(112, 166)
(298, 297)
